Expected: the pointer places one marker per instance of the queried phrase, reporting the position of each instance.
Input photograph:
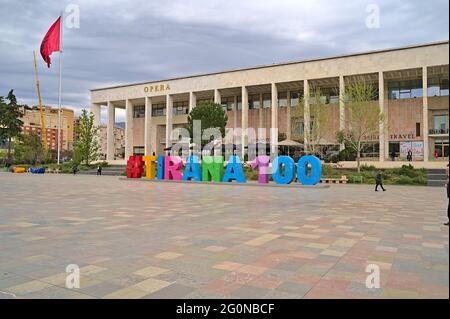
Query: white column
(341, 106)
(425, 113)
(169, 116)
(235, 112)
(288, 115)
(192, 101)
(261, 113)
(274, 124)
(110, 147)
(244, 118)
(128, 129)
(382, 131)
(217, 96)
(148, 125)
(306, 114)
(96, 110)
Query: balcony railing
(435, 131)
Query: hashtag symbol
(135, 167)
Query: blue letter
(160, 168)
(234, 170)
(192, 169)
(289, 168)
(316, 170)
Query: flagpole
(61, 27)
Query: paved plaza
(136, 239)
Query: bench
(342, 180)
(357, 179)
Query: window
(417, 129)
(437, 87)
(158, 109)
(394, 147)
(227, 103)
(282, 99)
(138, 111)
(267, 100)
(440, 122)
(138, 150)
(239, 103)
(407, 89)
(180, 108)
(295, 98)
(254, 101)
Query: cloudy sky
(141, 40)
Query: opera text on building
(412, 92)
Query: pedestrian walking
(379, 182)
(409, 156)
(74, 169)
(99, 170)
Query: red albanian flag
(51, 41)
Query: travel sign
(212, 169)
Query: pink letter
(262, 162)
(172, 167)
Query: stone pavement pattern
(169, 240)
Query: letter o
(316, 170)
(289, 170)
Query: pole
(61, 27)
(44, 132)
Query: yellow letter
(150, 166)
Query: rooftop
(278, 64)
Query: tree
(10, 119)
(319, 121)
(362, 117)
(87, 147)
(29, 148)
(211, 115)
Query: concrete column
(169, 117)
(96, 110)
(288, 115)
(274, 118)
(235, 112)
(341, 106)
(261, 113)
(148, 126)
(425, 113)
(244, 117)
(128, 129)
(306, 118)
(382, 131)
(217, 97)
(192, 101)
(110, 147)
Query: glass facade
(159, 109)
(227, 103)
(254, 101)
(267, 100)
(407, 89)
(282, 99)
(438, 87)
(180, 108)
(138, 111)
(296, 96)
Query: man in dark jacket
(379, 182)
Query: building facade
(412, 92)
(119, 142)
(32, 123)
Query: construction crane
(44, 131)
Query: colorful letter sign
(212, 169)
